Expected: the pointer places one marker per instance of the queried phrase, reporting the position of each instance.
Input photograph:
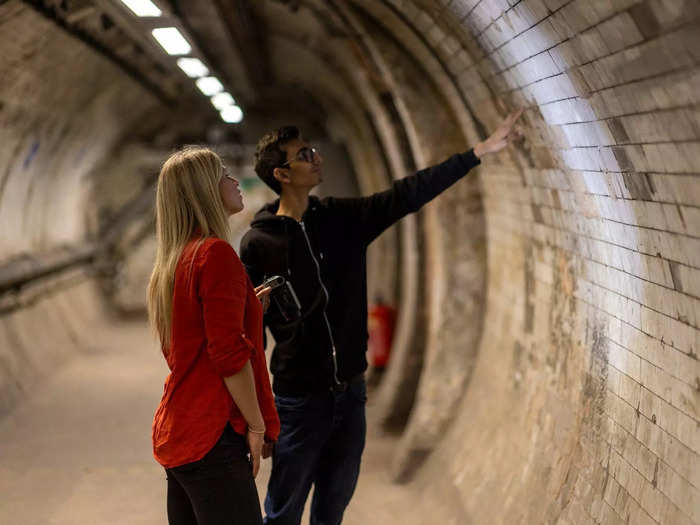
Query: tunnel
(544, 366)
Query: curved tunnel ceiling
(545, 364)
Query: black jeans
(219, 489)
(320, 444)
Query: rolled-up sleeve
(222, 290)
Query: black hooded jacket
(324, 258)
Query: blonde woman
(217, 410)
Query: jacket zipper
(328, 297)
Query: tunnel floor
(78, 450)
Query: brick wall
(583, 407)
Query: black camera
(282, 294)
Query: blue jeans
(320, 443)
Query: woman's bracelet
(252, 430)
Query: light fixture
(232, 114)
(171, 40)
(142, 7)
(221, 100)
(209, 85)
(193, 67)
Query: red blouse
(216, 329)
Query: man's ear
(281, 175)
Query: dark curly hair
(269, 155)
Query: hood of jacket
(267, 219)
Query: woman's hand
(505, 134)
(255, 441)
(263, 294)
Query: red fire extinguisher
(381, 322)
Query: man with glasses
(318, 361)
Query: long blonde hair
(187, 198)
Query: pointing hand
(505, 134)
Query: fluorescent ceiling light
(209, 85)
(172, 40)
(232, 114)
(221, 100)
(142, 7)
(193, 67)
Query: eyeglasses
(305, 154)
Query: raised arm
(377, 212)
